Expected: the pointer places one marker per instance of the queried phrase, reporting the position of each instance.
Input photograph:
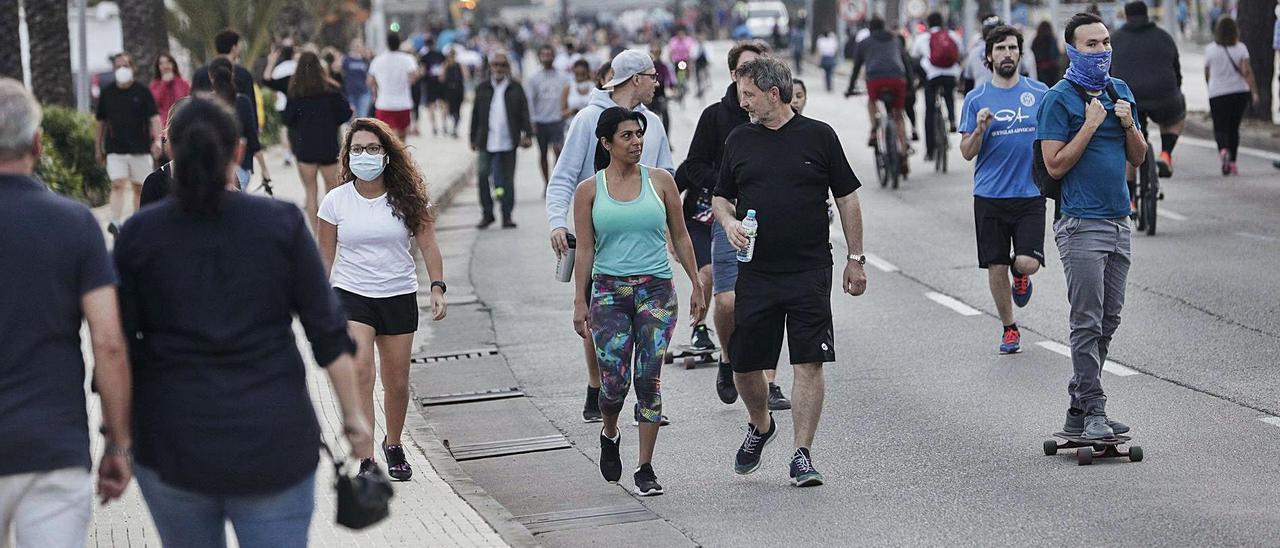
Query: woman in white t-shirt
(367, 227)
(1231, 87)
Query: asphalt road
(928, 435)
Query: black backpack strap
(1111, 92)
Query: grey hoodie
(577, 159)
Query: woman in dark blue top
(210, 282)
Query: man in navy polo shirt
(999, 128)
(1088, 133)
(54, 272)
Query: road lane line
(1171, 215)
(1273, 421)
(1205, 143)
(882, 264)
(1252, 236)
(1110, 367)
(959, 307)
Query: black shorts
(1002, 221)
(767, 302)
(549, 135)
(396, 315)
(700, 234)
(1165, 111)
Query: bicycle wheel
(1148, 193)
(882, 169)
(940, 142)
(892, 157)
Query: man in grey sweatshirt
(633, 84)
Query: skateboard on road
(1087, 450)
(691, 357)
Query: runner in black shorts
(782, 167)
(998, 124)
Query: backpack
(943, 50)
(1050, 187)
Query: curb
(424, 437)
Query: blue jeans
(360, 103)
(198, 520)
(242, 178)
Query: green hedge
(68, 165)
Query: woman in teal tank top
(625, 300)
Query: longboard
(1087, 449)
(691, 357)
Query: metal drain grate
(488, 450)
(468, 397)
(455, 356)
(585, 517)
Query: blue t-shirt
(355, 76)
(1004, 161)
(1095, 188)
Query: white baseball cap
(628, 64)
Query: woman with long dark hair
(367, 227)
(1229, 76)
(1048, 53)
(168, 84)
(625, 300)
(315, 112)
(455, 89)
(222, 76)
(210, 280)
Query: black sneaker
(397, 466)
(635, 420)
(725, 388)
(701, 339)
(1074, 424)
(802, 472)
(610, 460)
(591, 411)
(777, 402)
(749, 453)
(113, 228)
(647, 482)
(368, 466)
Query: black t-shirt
(51, 254)
(785, 175)
(244, 84)
(156, 186)
(127, 113)
(313, 126)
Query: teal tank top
(631, 237)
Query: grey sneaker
(1095, 428)
(701, 339)
(1075, 423)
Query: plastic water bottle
(751, 225)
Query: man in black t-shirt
(782, 166)
(128, 138)
(227, 44)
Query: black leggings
(1227, 111)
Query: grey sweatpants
(1095, 257)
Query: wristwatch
(443, 288)
(860, 259)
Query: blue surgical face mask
(367, 167)
(1090, 70)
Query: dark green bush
(269, 135)
(69, 165)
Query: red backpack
(943, 51)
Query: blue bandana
(1089, 70)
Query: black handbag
(363, 500)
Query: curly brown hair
(406, 188)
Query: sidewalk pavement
(426, 511)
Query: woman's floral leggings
(632, 315)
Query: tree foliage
(50, 47)
(194, 23)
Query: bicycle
(888, 152)
(941, 142)
(1148, 194)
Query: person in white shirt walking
(828, 44)
(499, 121)
(391, 77)
(548, 93)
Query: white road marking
(1205, 143)
(959, 307)
(1110, 367)
(1273, 421)
(882, 264)
(1171, 215)
(1252, 236)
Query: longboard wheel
(1050, 447)
(1084, 456)
(1135, 454)
(690, 363)
(668, 357)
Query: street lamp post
(82, 82)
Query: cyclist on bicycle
(680, 49)
(1146, 57)
(998, 127)
(886, 64)
(938, 52)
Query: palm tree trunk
(1257, 20)
(144, 22)
(50, 47)
(10, 50)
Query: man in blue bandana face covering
(1088, 133)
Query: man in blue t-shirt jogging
(1088, 133)
(998, 125)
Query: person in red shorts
(886, 64)
(391, 75)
